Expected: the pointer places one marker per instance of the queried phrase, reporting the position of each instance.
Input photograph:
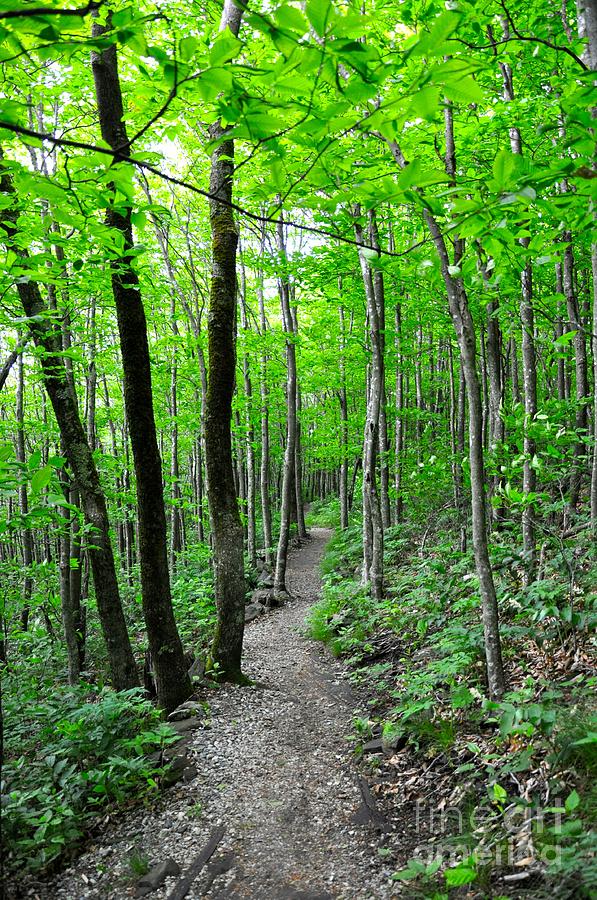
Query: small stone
(265, 580)
(253, 611)
(375, 745)
(156, 877)
(175, 771)
(262, 596)
(186, 724)
(185, 711)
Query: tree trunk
(581, 372)
(496, 395)
(373, 568)
(123, 670)
(250, 432)
(384, 446)
(173, 684)
(291, 405)
(176, 523)
(343, 422)
(529, 363)
(465, 333)
(399, 426)
(298, 468)
(23, 500)
(227, 531)
(594, 345)
(266, 511)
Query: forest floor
(273, 768)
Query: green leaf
(460, 875)
(319, 13)
(212, 82)
(291, 18)
(503, 167)
(41, 479)
(572, 801)
(187, 47)
(499, 794)
(425, 104)
(225, 47)
(463, 89)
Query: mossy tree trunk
(227, 531)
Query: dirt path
(274, 769)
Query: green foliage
(315, 112)
(431, 692)
(87, 750)
(324, 513)
(192, 595)
(343, 619)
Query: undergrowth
(67, 756)
(418, 655)
(323, 514)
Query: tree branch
(5, 370)
(120, 156)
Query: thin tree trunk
(581, 371)
(123, 670)
(23, 500)
(465, 332)
(529, 362)
(291, 405)
(266, 511)
(250, 430)
(374, 577)
(298, 468)
(594, 346)
(399, 427)
(384, 467)
(343, 421)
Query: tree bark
(291, 406)
(343, 422)
(372, 516)
(23, 499)
(227, 531)
(123, 670)
(581, 372)
(264, 469)
(465, 333)
(173, 684)
(250, 431)
(529, 362)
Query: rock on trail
(273, 768)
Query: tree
(123, 669)
(173, 684)
(226, 525)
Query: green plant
(324, 513)
(90, 751)
(138, 862)
(195, 811)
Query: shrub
(94, 753)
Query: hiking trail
(273, 768)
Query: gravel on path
(274, 769)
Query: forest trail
(273, 768)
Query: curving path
(274, 769)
